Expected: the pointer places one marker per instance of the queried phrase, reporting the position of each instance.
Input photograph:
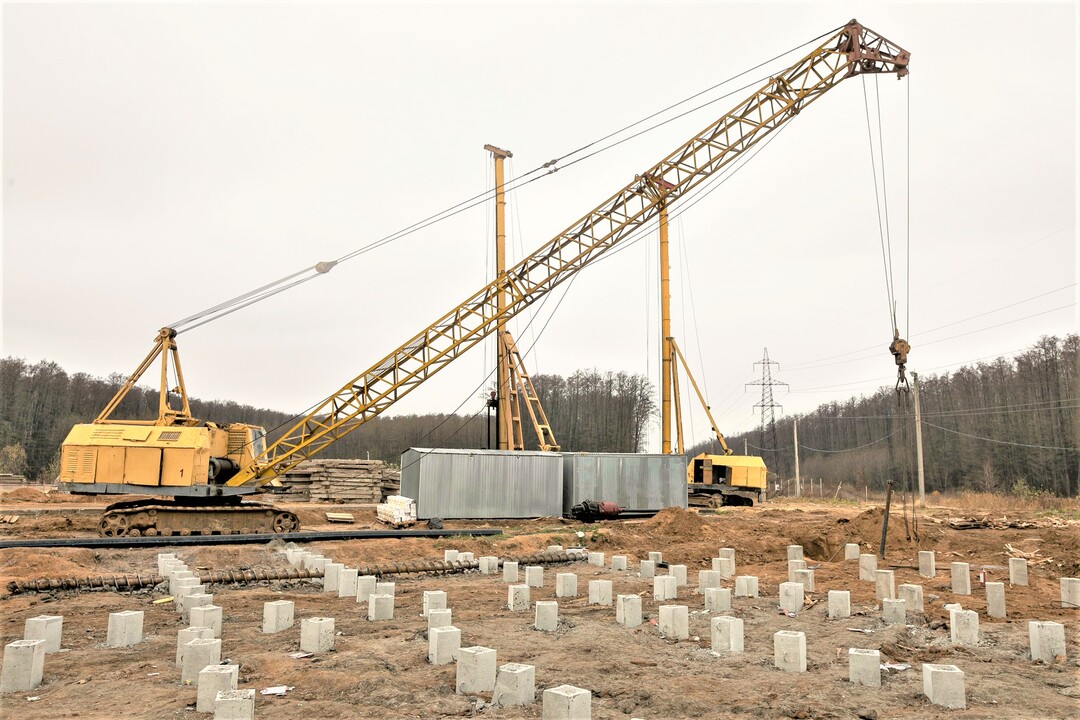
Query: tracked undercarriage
(157, 517)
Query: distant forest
(1010, 425)
(1006, 425)
(591, 410)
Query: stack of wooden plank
(345, 481)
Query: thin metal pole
(798, 483)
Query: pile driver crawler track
(153, 517)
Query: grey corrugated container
(636, 482)
(450, 483)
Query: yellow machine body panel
(137, 455)
(736, 471)
(159, 456)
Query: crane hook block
(900, 349)
(325, 266)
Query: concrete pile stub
(347, 582)
(534, 576)
(439, 618)
(125, 628)
(510, 571)
(198, 653)
(385, 588)
(489, 565)
(618, 562)
(365, 587)
(176, 577)
(724, 566)
(565, 585)
(555, 548)
(806, 579)
(547, 616)
(708, 579)
(913, 596)
(867, 567)
(674, 621)
(596, 558)
(718, 599)
(791, 597)
(443, 644)
(1047, 641)
(628, 610)
(466, 557)
(794, 566)
(475, 670)
(517, 598)
(212, 680)
(851, 551)
(1070, 592)
(789, 651)
(207, 616)
(278, 615)
(679, 573)
(995, 600)
(450, 556)
(234, 705)
(193, 601)
(1018, 571)
(746, 586)
(515, 684)
(380, 607)
(885, 584)
(433, 600)
(24, 665)
(927, 563)
(961, 578)
(656, 557)
(49, 628)
(794, 552)
(567, 702)
(864, 667)
(944, 685)
(647, 569)
(600, 592)
(727, 634)
(317, 635)
(331, 574)
(839, 604)
(187, 586)
(664, 587)
(726, 552)
(162, 560)
(186, 635)
(964, 627)
(894, 612)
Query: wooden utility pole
(798, 484)
(503, 414)
(918, 437)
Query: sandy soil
(379, 670)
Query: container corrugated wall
(635, 482)
(450, 483)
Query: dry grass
(966, 502)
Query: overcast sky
(158, 159)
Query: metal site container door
(635, 482)
(449, 483)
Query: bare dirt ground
(380, 669)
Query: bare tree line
(590, 410)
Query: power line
(1000, 442)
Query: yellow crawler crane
(201, 493)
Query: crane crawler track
(156, 518)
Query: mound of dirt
(676, 523)
(25, 494)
